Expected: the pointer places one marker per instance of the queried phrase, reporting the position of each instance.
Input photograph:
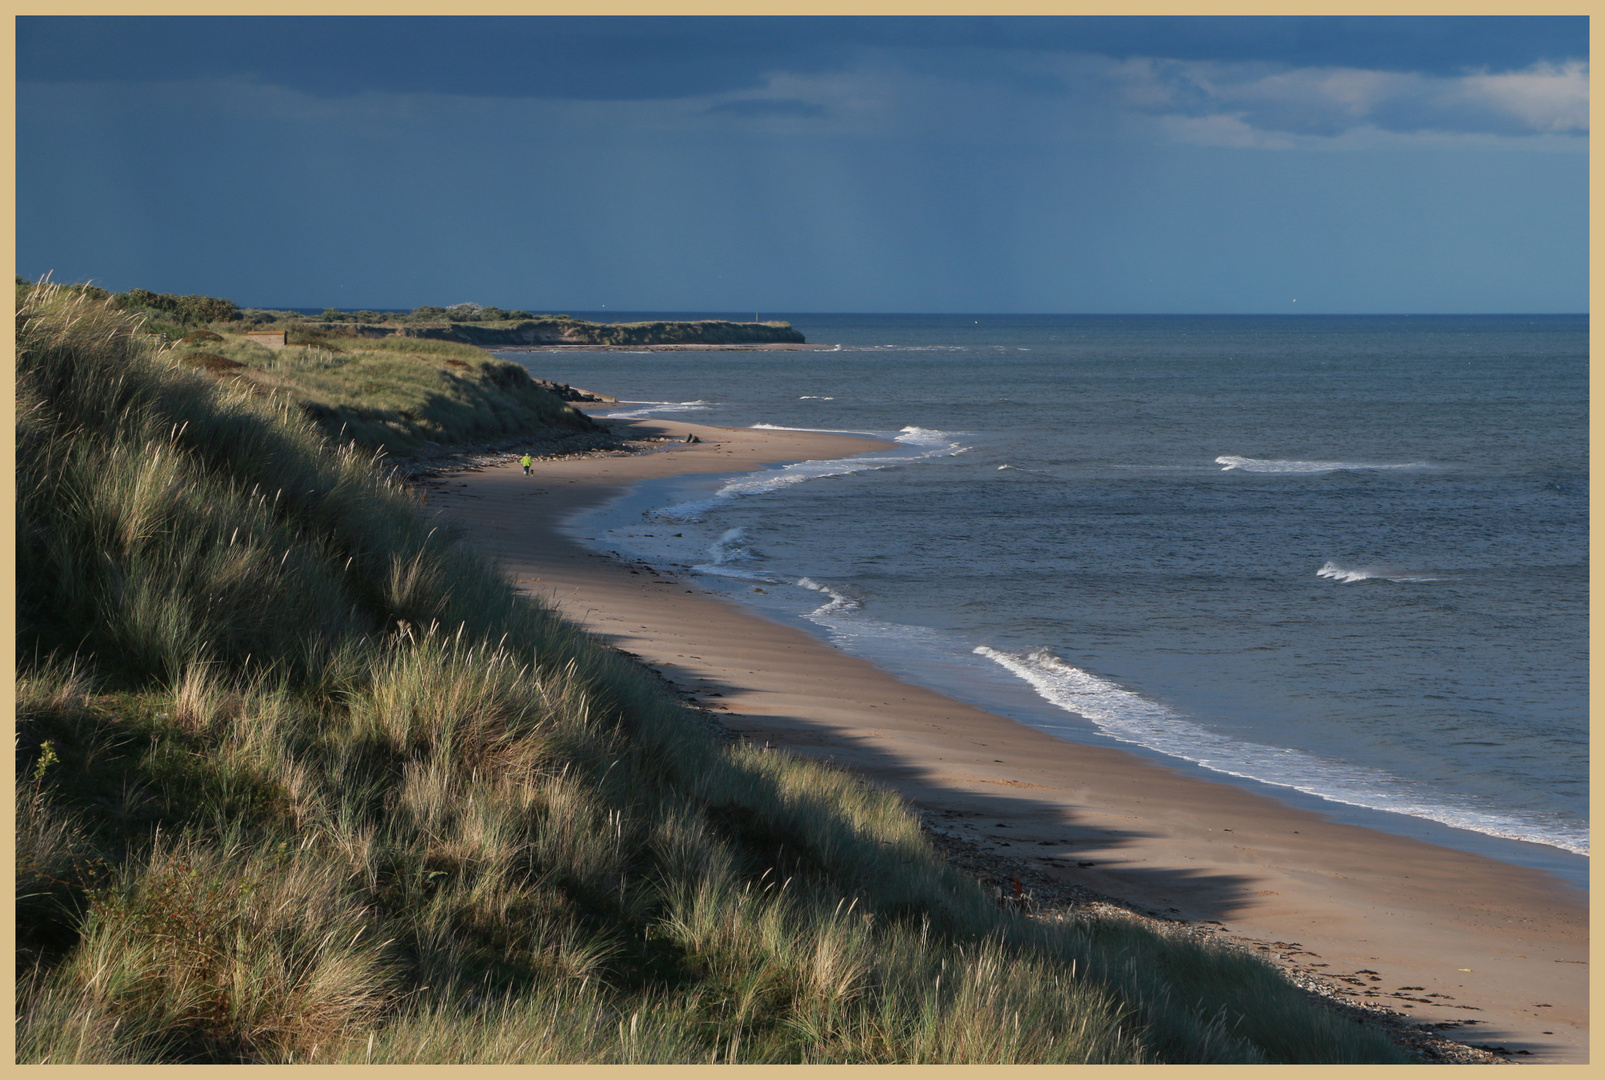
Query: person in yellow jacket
(525, 461)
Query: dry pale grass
(233, 954)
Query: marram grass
(301, 779)
(389, 393)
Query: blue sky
(812, 164)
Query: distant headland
(491, 327)
(562, 330)
(471, 324)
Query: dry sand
(1438, 935)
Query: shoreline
(1437, 935)
(995, 689)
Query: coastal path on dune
(1496, 952)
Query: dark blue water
(1342, 559)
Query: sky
(812, 164)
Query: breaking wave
(732, 547)
(924, 444)
(1128, 717)
(838, 604)
(653, 408)
(1228, 462)
(1338, 572)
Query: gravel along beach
(1493, 954)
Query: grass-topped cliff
(393, 393)
(388, 393)
(301, 779)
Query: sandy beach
(1498, 952)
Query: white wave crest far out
(1339, 572)
(1228, 462)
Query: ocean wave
(1338, 572)
(838, 604)
(653, 408)
(733, 547)
(818, 430)
(930, 439)
(1228, 462)
(1129, 717)
(907, 348)
(738, 574)
(925, 442)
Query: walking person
(525, 461)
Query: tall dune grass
(300, 779)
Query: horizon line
(705, 312)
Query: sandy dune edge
(1439, 935)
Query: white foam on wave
(1228, 462)
(732, 547)
(814, 397)
(838, 604)
(653, 408)
(1128, 717)
(930, 438)
(820, 430)
(1338, 572)
(924, 443)
(907, 348)
(732, 572)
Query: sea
(1338, 560)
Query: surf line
(1128, 717)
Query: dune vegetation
(390, 393)
(387, 390)
(302, 779)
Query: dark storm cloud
(923, 164)
(631, 58)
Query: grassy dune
(300, 779)
(392, 393)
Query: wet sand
(1436, 934)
